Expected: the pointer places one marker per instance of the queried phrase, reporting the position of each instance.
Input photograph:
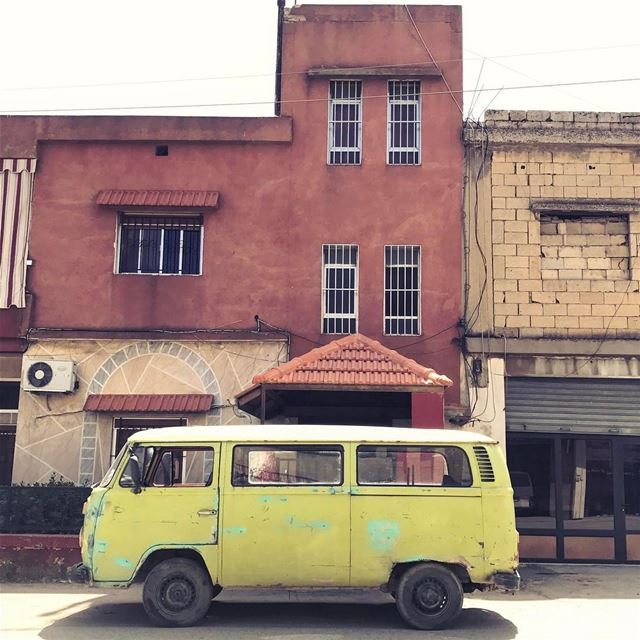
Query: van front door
(174, 505)
(286, 517)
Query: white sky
(51, 43)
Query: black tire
(429, 596)
(177, 593)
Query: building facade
(553, 322)
(170, 260)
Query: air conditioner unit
(48, 375)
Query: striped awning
(150, 403)
(16, 183)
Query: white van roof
(266, 433)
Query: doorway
(577, 497)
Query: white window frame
(386, 315)
(157, 214)
(332, 122)
(353, 314)
(391, 102)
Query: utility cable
(309, 100)
(302, 72)
(426, 47)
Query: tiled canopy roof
(157, 198)
(353, 360)
(152, 403)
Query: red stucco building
(154, 242)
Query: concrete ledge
(547, 346)
(20, 135)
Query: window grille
(403, 122)
(402, 290)
(160, 244)
(339, 288)
(345, 122)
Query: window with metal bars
(339, 288)
(156, 244)
(403, 122)
(345, 122)
(402, 290)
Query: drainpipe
(279, 56)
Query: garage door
(579, 405)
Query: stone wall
(565, 233)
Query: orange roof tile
(353, 360)
(157, 198)
(183, 403)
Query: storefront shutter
(576, 405)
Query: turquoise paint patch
(307, 524)
(266, 498)
(383, 535)
(235, 531)
(100, 546)
(123, 562)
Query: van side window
(286, 465)
(173, 467)
(413, 466)
(144, 456)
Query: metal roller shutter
(578, 405)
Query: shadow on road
(553, 581)
(271, 620)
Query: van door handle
(207, 512)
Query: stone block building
(552, 347)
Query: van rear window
(286, 465)
(413, 466)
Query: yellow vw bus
(425, 515)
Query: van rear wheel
(429, 596)
(177, 593)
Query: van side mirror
(136, 474)
(132, 475)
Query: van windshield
(112, 469)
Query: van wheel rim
(430, 596)
(177, 594)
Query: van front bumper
(507, 580)
(79, 574)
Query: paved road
(590, 603)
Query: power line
(126, 83)
(426, 48)
(307, 100)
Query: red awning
(353, 360)
(150, 403)
(167, 198)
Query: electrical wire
(426, 47)
(310, 100)
(430, 337)
(588, 359)
(125, 83)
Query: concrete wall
(279, 200)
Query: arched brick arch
(111, 364)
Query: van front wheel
(177, 593)
(429, 596)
